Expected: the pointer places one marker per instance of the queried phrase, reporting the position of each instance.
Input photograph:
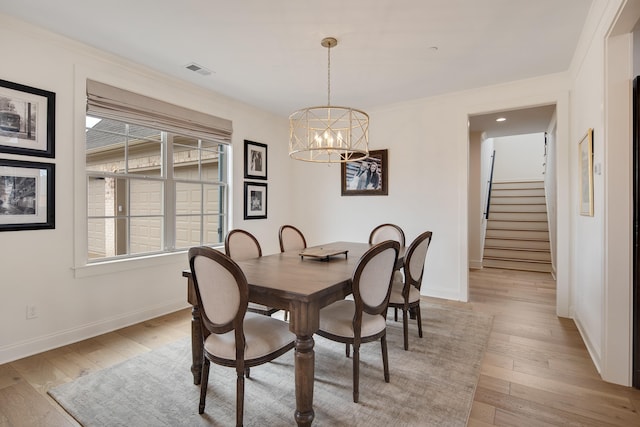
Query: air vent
(198, 69)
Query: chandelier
(328, 134)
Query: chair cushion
(337, 319)
(396, 293)
(263, 335)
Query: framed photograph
(368, 177)
(255, 160)
(255, 200)
(27, 120)
(586, 174)
(26, 195)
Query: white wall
(428, 146)
(476, 200)
(44, 267)
(519, 158)
(550, 188)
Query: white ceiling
(267, 52)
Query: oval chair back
(241, 245)
(291, 239)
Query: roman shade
(114, 103)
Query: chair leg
(405, 328)
(395, 314)
(239, 398)
(356, 372)
(247, 372)
(347, 349)
(204, 382)
(419, 318)
(385, 357)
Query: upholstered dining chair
(241, 245)
(291, 239)
(388, 232)
(233, 337)
(405, 291)
(363, 319)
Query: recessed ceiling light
(500, 119)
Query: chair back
(241, 245)
(221, 290)
(372, 278)
(291, 239)
(414, 259)
(387, 232)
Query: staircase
(517, 235)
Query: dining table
(302, 282)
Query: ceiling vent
(198, 69)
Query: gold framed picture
(586, 173)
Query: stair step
(503, 207)
(517, 265)
(493, 224)
(506, 192)
(518, 216)
(517, 184)
(517, 254)
(516, 200)
(517, 243)
(518, 234)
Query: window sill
(120, 265)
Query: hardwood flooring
(536, 371)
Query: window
(152, 190)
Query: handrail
(489, 183)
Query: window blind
(118, 104)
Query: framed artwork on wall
(27, 199)
(255, 200)
(368, 177)
(27, 120)
(586, 173)
(255, 160)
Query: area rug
(432, 384)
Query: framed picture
(255, 200)
(366, 177)
(586, 174)
(27, 120)
(255, 160)
(26, 195)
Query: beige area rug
(432, 384)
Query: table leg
(196, 345)
(305, 366)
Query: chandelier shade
(328, 134)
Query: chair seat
(263, 335)
(337, 319)
(396, 294)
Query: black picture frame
(255, 160)
(27, 195)
(255, 200)
(27, 120)
(357, 180)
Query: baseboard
(475, 265)
(37, 345)
(590, 348)
(440, 293)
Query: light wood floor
(536, 371)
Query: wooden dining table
(302, 285)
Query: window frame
(169, 182)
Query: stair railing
(489, 183)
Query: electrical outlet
(32, 312)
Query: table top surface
(281, 277)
